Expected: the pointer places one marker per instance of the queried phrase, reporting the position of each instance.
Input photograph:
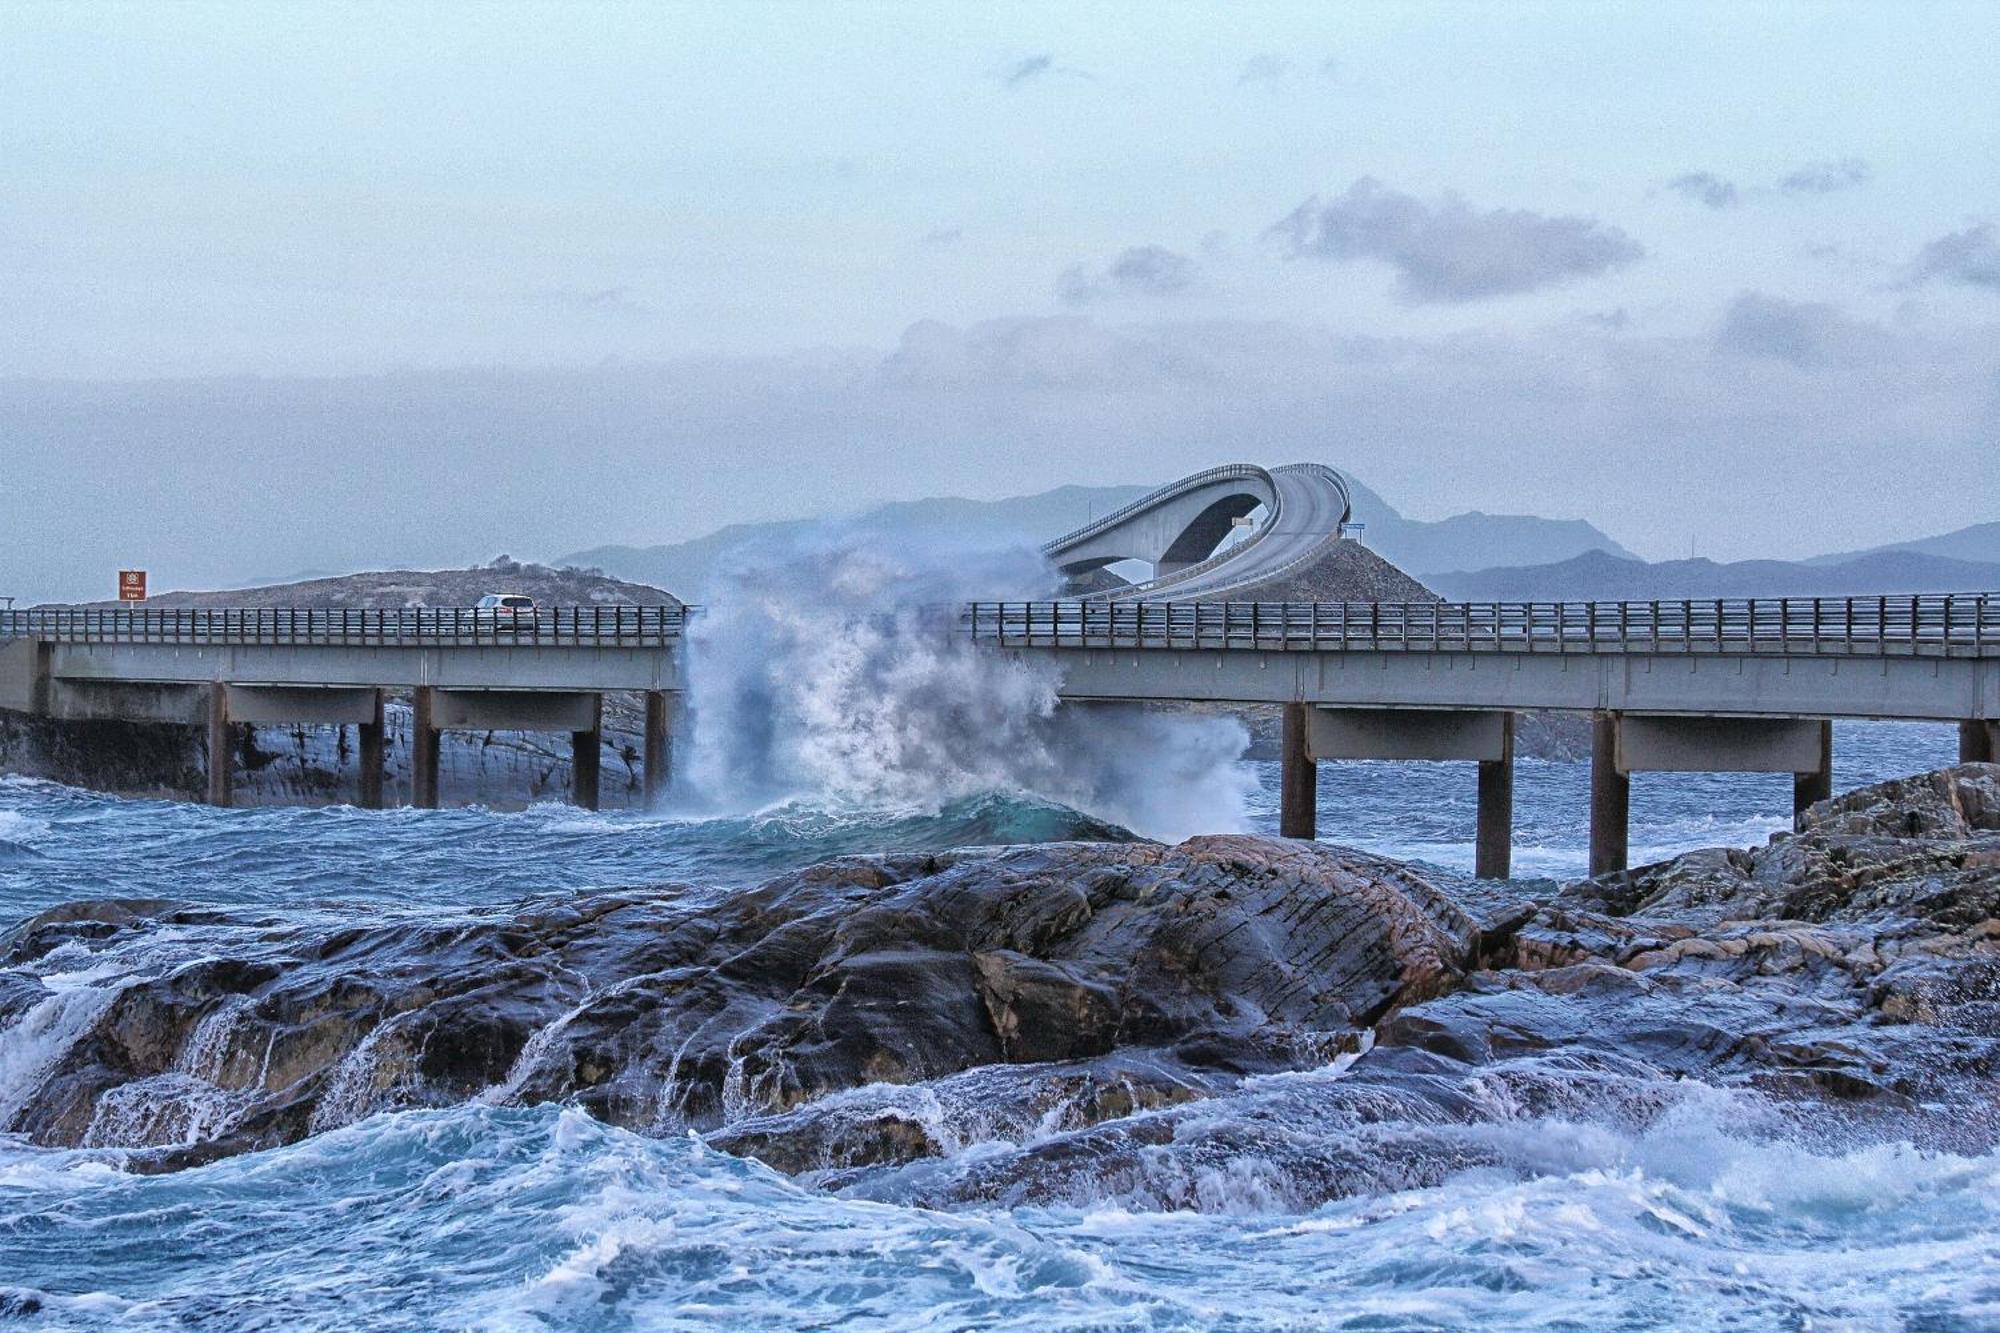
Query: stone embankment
(1106, 1020)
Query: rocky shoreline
(1097, 1018)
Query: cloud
(1029, 69)
(1705, 187)
(1801, 332)
(1449, 251)
(1970, 258)
(1264, 68)
(1642, 433)
(1140, 271)
(1826, 177)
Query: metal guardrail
(1945, 625)
(1933, 624)
(406, 627)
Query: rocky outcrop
(666, 1009)
(1235, 1021)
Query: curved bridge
(1178, 528)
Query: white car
(507, 611)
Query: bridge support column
(221, 746)
(1493, 843)
(1815, 784)
(374, 750)
(658, 755)
(424, 748)
(1298, 780)
(1979, 742)
(1610, 798)
(586, 756)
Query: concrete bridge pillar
(658, 755)
(1815, 784)
(424, 748)
(221, 746)
(1298, 780)
(373, 756)
(1979, 742)
(1610, 798)
(587, 755)
(1493, 842)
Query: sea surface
(526, 1218)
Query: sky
(290, 287)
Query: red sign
(131, 585)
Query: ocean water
(501, 1217)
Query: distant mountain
(1473, 540)
(1598, 576)
(1979, 543)
(1464, 541)
(684, 566)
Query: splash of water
(829, 667)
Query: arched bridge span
(1178, 529)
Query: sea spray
(830, 668)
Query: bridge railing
(555, 626)
(1956, 624)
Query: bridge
(464, 669)
(1180, 530)
(1727, 685)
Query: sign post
(131, 585)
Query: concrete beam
(129, 701)
(1408, 733)
(513, 710)
(265, 705)
(545, 667)
(1929, 688)
(1719, 744)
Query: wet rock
(671, 1008)
(1232, 1023)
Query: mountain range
(1599, 576)
(1423, 547)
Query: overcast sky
(294, 287)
